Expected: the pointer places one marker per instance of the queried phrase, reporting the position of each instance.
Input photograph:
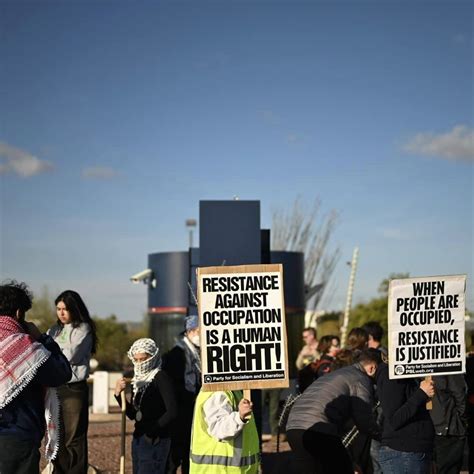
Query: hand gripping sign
(243, 331)
(426, 326)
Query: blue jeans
(374, 454)
(150, 457)
(401, 462)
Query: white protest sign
(426, 326)
(243, 331)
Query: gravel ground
(104, 448)
(104, 445)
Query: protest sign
(243, 331)
(426, 326)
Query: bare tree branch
(303, 229)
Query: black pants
(448, 454)
(72, 455)
(18, 456)
(179, 454)
(318, 453)
(273, 397)
(181, 440)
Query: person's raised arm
(223, 422)
(396, 407)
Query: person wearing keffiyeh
(31, 364)
(152, 405)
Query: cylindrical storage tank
(168, 297)
(294, 291)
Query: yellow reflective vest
(238, 455)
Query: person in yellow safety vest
(224, 437)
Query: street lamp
(191, 224)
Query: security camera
(143, 276)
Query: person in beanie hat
(152, 406)
(183, 365)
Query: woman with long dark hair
(75, 333)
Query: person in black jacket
(30, 363)
(408, 433)
(152, 406)
(469, 376)
(318, 419)
(375, 334)
(450, 422)
(183, 365)
(328, 348)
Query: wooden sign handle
(123, 427)
(429, 403)
(122, 433)
(247, 396)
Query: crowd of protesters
(349, 417)
(393, 431)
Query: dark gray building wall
(293, 281)
(229, 231)
(168, 302)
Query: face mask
(195, 340)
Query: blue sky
(118, 117)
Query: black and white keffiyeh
(144, 372)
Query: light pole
(350, 290)
(191, 224)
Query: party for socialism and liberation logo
(399, 369)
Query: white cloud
(20, 162)
(455, 144)
(99, 172)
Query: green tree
(376, 309)
(114, 342)
(329, 324)
(42, 312)
(384, 284)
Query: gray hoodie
(76, 344)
